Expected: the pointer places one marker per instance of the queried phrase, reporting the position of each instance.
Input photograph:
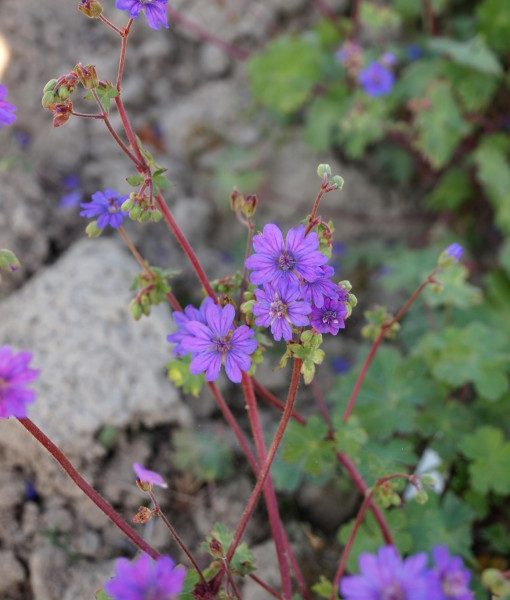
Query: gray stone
(267, 569)
(11, 571)
(98, 366)
(214, 62)
(48, 573)
(86, 579)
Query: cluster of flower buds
(335, 182)
(377, 320)
(243, 206)
(141, 208)
(153, 288)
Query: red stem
(276, 402)
(264, 471)
(207, 36)
(98, 500)
(265, 586)
(269, 492)
(122, 59)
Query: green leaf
(473, 354)
(135, 180)
(102, 595)
(504, 256)
(180, 375)
(308, 446)
(323, 588)
(283, 75)
(190, 582)
(242, 561)
(455, 289)
(451, 191)
(441, 127)
(475, 89)
(377, 459)
(205, 456)
(473, 53)
(494, 23)
(323, 117)
(489, 454)
(106, 93)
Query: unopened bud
(144, 515)
(48, 99)
(421, 497)
(250, 205)
(92, 230)
(136, 310)
(353, 301)
(8, 260)
(236, 200)
(127, 205)
(216, 548)
(144, 486)
(87, 76)
(156, 216)
(50, 86)
(338, 182)
(324, 170)
(90, 8)
(61, 113)
(63, 93)
(345, 285)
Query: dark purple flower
(190, 313)
(316, 291)
(386, 576)
(414, 52)
(7, 110)
(146, 476)
(455, 251)
(155, 11)
(15, 374)
(105, 206)
(376, 80)
(145, 578)
(218, 342)
(330, 318)
(280, 307)
(276, 260)
(340, 365)
(73, 194)
(450, 577)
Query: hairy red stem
(86, 488)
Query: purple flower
(155, 11)
(181, 319)
(15, 374)
(105, 206)
(386, 576)
(388, 59)
(348, 52)
(145, 578)
(455, 251)
(450, 578)
(276, 260)
(330, 318)
(280, 307)
(7, 110)
(218, 342)
(146, 476)
(316, 291)
(376, 80)
(340, 365)
(73, 194)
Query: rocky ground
(68, 304)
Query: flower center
(112, 206)
(393, 592)
(453, 585)
(223, 345)
(329, 316)
(278, 308)
(286, 261)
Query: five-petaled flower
(148, 477)
(316, 291)
(15, 374)
(7, 110)
(280, 307)
(330, 317)
(145, 578)
(455, 251)
(106, 206)
(386, 576)
(182, 318)
(217, 342)
(450, 579)
(296, 258)
(155, 11)
(376, 80)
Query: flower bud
(127, 205)
(135, 309)
(8, 260)
(250, 205)
(92, 230)
(50, 86)
(236, 200)
(144, 515)
(143, 486)
(61, 112)
(216, 548)
(353, 301)
(90, 8)
(324, 170)
(450, 255)
(421, 497)
(48, 99)
(345, 285)
(87, 76)
(156, 216)
(63, 93)
(338, 182)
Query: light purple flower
(376, 80)
(386, 576)
(145, 578)
(280, 307)
(7, 110)
(388, 59)
(455, 251)
(275, 260)
(450, 579)
(105, 206)
(73, 194)
(218, 342)
(330, 318)
(15, 374)
(316, 291)
(155, 11)
(182, 318)
(146, 476)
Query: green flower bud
(135, 213)
(421, 497)
(428, 480)
(353, 301)
(48, 99)
(50, 86)
(135, 309)
(324, 170)
(345, 285)
(127, 205)
(144, 217)
(63, 93)
(338, 182)
(8, 260)
(156, 216)
(92, 230)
